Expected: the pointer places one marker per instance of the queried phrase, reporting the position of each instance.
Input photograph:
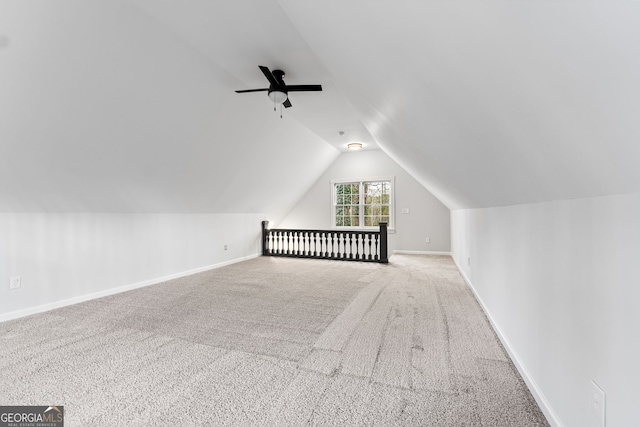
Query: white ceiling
(237, 36)
(129, 105)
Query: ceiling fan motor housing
(279, 76)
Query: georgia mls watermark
(31, 416)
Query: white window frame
(392, 206)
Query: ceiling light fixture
(354, 146)
(277, 96)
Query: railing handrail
(380, 234)
(327, 231)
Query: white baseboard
(400, 251)
(542, 401)
(75, 300)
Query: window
(362, 203)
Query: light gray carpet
(273, 341)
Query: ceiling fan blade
(269, 75)
(303, 88)
(286, 103)
(252, 90)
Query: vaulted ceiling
(129, 105)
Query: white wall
(428, 217)
(559, 280)
(69, 256)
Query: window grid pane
(375, 206)
(347, 204)
(376, 202)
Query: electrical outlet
(226, 247)
(597, 405)
(469, 261)
(428, 239)
(15, 282)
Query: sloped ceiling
(104, 109)
(491, 102)
(129, 105)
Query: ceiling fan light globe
(277, 96)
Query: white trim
(75, 300)
(356, 180)
(400, 251)
(542, 401)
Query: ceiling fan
(278, 91)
